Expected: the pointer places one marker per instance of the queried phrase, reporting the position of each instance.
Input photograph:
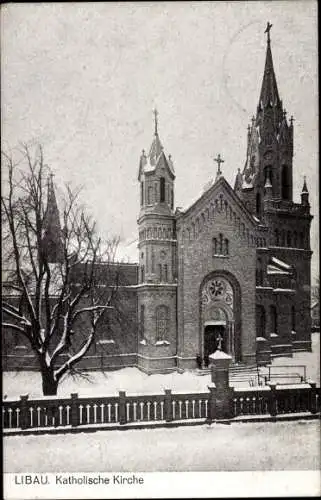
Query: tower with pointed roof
(269, 146)
(265, 186)
(157, 257)
(52, 242)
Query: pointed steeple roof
(52, 228)
(156, 147)
(269, 95)
(156, 155)
(305, 187)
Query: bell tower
(266, 188)
(269, 146)
(157, 258)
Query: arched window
(226, 249)
(295, 239)
(285, 179)
(150, 195)
(260, 321)
(142, 274)
(274, 319)
(214, 246)
(220, 245)
(268, 174)
(160, 271)
(172, 199)
(293, 322)
(276, 233)
(282, 238)
(142, 193)
(289, 239)
(162, 320)
(258, 204)
(162, 189)
(301, 240)
(153, 261)
(165, 272)
(142, 321)
(259, 273)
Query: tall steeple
(269, 145)
(269, 96)
(52, 229)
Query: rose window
(216, 288)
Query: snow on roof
(275, 270)
(280, 263)
(148, 167)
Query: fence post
(122, 408)
(168, 406)
(211, 411)
(313, 397)
(24, 421)
(273, 400)
(74, 410)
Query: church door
(214, 338)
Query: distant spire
(156, 120)
(305, 187)
(52, 228)
(305, 193)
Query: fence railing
(168, 407)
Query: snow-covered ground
(219, 447)
(134, 381)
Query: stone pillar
(273, 404)
(313, 397)
(122, 417)
(220, 363)
(168, 406)
(24, 417)
(74, 411)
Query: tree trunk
(49, 384)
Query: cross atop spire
(269, 95)
(155, 112)
(267, 30)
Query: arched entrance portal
(219, 315)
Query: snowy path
(257, 446)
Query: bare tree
(51, 298)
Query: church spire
(305, 192)
(269, 96)
(156, 147)
(52, 228)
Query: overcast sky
(82, 80)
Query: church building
(231, 271)
(234, 268)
